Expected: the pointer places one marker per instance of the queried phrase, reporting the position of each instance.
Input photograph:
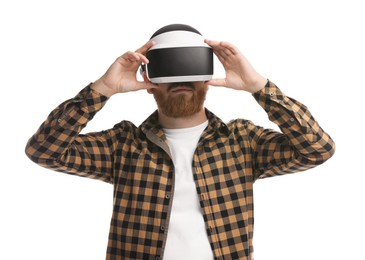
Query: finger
(145, 47)
(222, 55)
(216, 45)
(224, 48)
(211, 43)
(229, 48)
(134, 57)
(219, 50)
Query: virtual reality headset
(179, 55)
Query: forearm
(51, 143)
(302, 142)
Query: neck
(182, 122)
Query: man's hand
(121, 75)
(240, 74)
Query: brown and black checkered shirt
(136, 160)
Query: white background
(313, 50)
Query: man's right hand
(122, 74)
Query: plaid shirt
(137, 161)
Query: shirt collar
(215, 124)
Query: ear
(145, 79)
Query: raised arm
(58, 144)
(301, 144)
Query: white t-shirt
(187, 237)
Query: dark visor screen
(182, 61)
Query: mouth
(181, 87)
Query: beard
(181, 105)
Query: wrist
(258, 84)
(101, 88)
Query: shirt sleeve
(303, 144)
(57, 144)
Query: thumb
(145, 85)
(219, 82)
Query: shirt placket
(158, 139)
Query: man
(183, 180)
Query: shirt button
(271, 94)
(162, 228)
(202, 196)
(59, 120)
(167, 196)
(157, 258)
(291, 119)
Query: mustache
(180, 84)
